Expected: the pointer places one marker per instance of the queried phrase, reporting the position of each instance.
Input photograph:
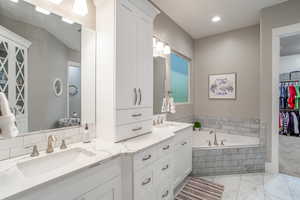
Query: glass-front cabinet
(13, 74)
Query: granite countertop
(13, 181)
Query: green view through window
(180, 78)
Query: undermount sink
(53, 162)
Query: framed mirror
(58, 87)
(37, 52)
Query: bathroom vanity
(146, 167)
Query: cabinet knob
(184, 143)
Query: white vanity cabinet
(182, 155)
(101, 181)
(148, 174)
(125, 68)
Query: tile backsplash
(22, 145)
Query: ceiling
(290, 45)
(194, 16)
(25, 12)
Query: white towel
(164, 107)
(7, 119)
(172, 105)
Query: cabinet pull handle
(165, 194)
(135, 96)
(137, 115)
(166, 147)
(140, 92)
(147, 181)
(184, 143)
(137, 129)
(165, 168)
(147, 157)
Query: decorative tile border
(14, 147)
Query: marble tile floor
(258, 186)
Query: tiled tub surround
(247, 127)
(239, 155)
(21, 145)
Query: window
(180, 78)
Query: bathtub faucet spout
(215, 138)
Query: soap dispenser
(86, 134)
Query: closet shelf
(288, 109)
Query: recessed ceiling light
(42, 10)
(15, 1)
(80, 7)
(55, 1)
(67, 20)
(216, 19)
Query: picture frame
(222, 86)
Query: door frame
(277, 34)
(71, 64)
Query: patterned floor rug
(199, 189)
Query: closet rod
(290, 81)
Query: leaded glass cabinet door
(4, 66)
(20, 89)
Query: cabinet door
(108, 191)
(126, 90)
(144, 62)
(187, 155)
(178, 164)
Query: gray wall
(168, 31)
(280, 15)
(235, 51)
(47, 60)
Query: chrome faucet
(215, 139)
(51, 140)
(35, 151)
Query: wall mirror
(40, 66)
(159, 87)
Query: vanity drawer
(163, 170)
(144, 158)
(134, 115)
(165, 148)
(182, 135)
(133, 130)
(164, 191)
(144, 184)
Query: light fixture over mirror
(160, 48)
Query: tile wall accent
(211, 162)
(22, 145)
(246, 127)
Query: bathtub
(239, 154)
(201, 140)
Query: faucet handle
(63, 144)
(35, 151)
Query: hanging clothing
(295, 123)
(292, 96)
(297, 100)
(283, 96)
(285, 123)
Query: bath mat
(199, 189)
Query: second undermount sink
(52, 162)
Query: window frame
(189, 60)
